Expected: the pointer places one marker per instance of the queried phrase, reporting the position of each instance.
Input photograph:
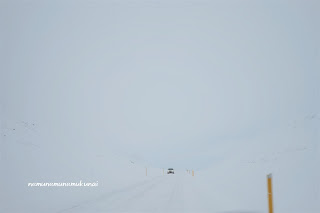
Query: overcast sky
(167, 83)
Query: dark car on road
(170, 171)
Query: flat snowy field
(235, 184)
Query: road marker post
(270, 198)
(192, 172)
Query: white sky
(165, 82)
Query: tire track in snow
(175, 203)
(124, 202)
(110, 195)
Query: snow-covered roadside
(28, 156)
(290, 154)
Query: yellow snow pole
(269, 178)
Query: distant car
(170, 171)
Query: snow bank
(30, 155)
(290, 153)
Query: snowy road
(168, 193)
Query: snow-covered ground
(23, 162)
(236, 184)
